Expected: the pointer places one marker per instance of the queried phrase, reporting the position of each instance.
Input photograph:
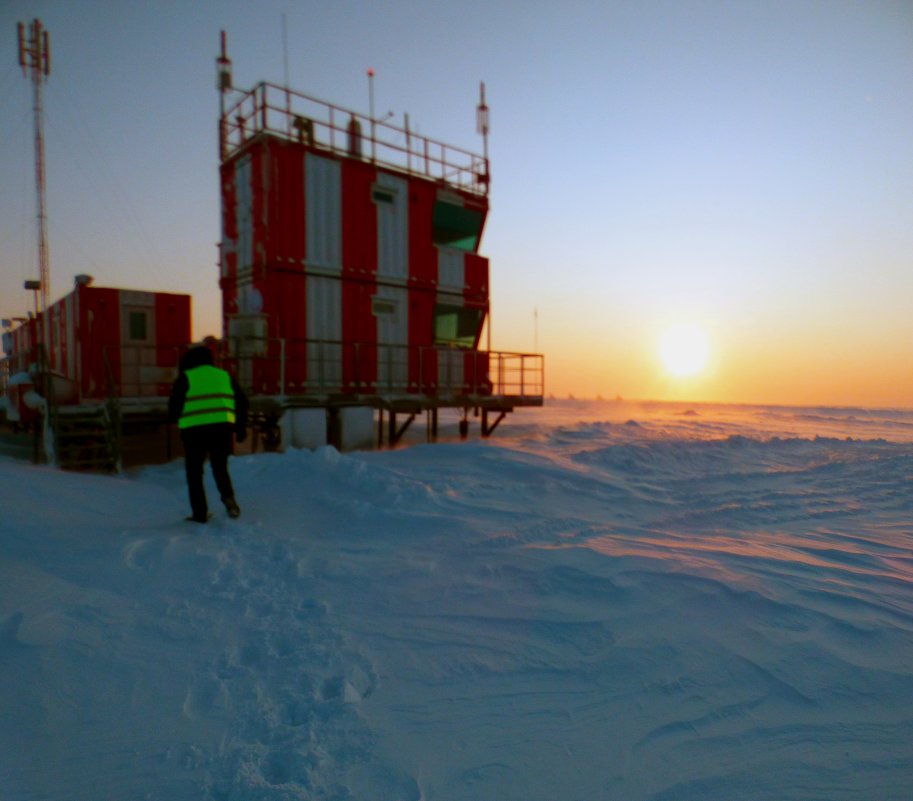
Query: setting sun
(684, 350)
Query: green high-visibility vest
(210, 398)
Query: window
(457, 326)
(381, 305)
(456, 227)
(137, 323)
(381, 195)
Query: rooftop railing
(276, 110)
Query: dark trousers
(200, 442)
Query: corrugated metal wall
(393, 228)
(393, 338)
(451, 271)
(324, 332)
(372, 273)
(323, 213)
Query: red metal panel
(284, 189)
(359, 365)
(61, 337)
(259, 176)
(359, 272)
(56, 321)
(476, 288)
(70, 341)
(284, 301)
(172, 332)
(99, 325)
(423, 366)
(475, 372)
(359, 223)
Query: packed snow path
(637, 605)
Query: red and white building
(350, 264)
(100, 342)
(350, 275)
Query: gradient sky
(743, 166)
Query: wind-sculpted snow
(650, 603)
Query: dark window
(457, 326)
(456, 227)
(382, 306)
(138, 326)
(382, 196)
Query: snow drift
(605, 601)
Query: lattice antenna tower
(35, 60)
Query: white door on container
(138, 350)
(391, 310)
(324, 333)
(391, 195)
(323, 213)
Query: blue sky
(743, 166)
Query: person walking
(208, 406)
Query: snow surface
(604, 601)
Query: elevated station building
(351, 274)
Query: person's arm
(178, 396)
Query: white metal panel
(356, 427)
(451, 268)
(323, 212)
(244, 214)
(393, 228)
(324, 332)
(450, 364)
(137, 356)
(303, 428)
(393, 339)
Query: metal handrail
(268, 108)
(163, 361)
(358, 368)
(368, 368)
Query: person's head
(197, 356)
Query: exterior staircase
(88, 438)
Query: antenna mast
(482, 128)
(223, 84)
(35, 60)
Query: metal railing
(268, 108)
(302, 367)
(131, 371)
(266, 366)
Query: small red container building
(102, 342)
